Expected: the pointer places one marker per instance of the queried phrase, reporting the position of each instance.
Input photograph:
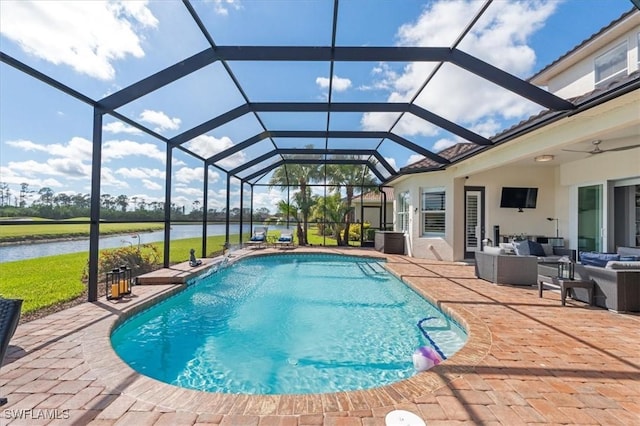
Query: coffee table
(565, 284)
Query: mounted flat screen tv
(519, 198)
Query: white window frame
(428, 209)
(403, 211)
(605, 60)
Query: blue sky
(98, 48)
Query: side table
(565, 284)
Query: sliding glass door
(590, 218)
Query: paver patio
(528, 360)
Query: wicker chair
(506, 269)
(9, 316)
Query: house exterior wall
(557, 186)
(511, 163)
(575, 75)
(417, 245)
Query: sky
(100, 47)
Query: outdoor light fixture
(118, 282)
(544, 158)
(565, 268)
(113, 284)
(125, 280)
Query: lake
(23, 251)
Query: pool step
(176, 274)
(372, 269)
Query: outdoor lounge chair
(259, 237)
(9, 316)
(285, 240)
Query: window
(403, 211)
(611, 64)
(433, 211)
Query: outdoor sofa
(511, 263)
(616, 282)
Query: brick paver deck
(528, 360)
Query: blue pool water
(286, 324)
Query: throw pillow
(493, 250)
(548, 249)
(529, 248)
(521, 248)
(597, 259)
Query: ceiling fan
(597, 150)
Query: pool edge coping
(118, 376)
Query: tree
(332, 209)
(46, 196)
(4, 194)
(298, 176)
(122, 201)
(291, 212)
(349, 177)
(24, 190)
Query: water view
(12, 252)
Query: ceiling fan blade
(623, 148)
(576, 150)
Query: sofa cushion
(529, 248)
(629, 251)
(629, 258)
(508, 248)
(548, 249)
(597, 259)
(493, 250)
(617, 264)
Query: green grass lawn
(30, 231)
(51, 280)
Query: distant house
(376, 207)
(581, 167)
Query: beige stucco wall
(580, 77)
(557, 189)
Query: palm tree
(298, 176)
(290, 211)
(332, 209)
(349, 177)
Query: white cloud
(140, 173)
(77, 148)
(189, 191)
(120, 127)
(221, 7)
(153, 186)
(159, 119)
(67, 167)
(88, 36)
(265, 197)
(441, 144)
(109, 180)
(500, 38)
(188, 175)
(116, 149)
(392, 162)
(15, 177)
(339, 84)
(207, 146)
(414, 158)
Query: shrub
(354, 231)
(140, 261)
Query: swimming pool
(286, 324)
